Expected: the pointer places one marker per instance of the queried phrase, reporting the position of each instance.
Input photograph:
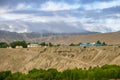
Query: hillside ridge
(61, 58)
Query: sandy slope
(57, 57)
(110, 38)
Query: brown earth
(112, 38)
(61, 58)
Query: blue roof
(90, 44)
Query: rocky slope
(6, 36)
(62, 58)
(110, 38)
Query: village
(23, 44)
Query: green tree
(16, 76)
(50, 44)
(72, 44)
(105, 72)
(104, 44)
(98, 42)
(4, 74)
(18, 43)
(43, 44)
(3, 45)
(58, 45)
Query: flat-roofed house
(90, 44)
(33, 45)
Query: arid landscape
(112, 38)
(61, 58)
(59, 39)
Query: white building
(33, 45)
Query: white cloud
(14, 26)
(59, 21)
(46, 19)
(3, 10)
(35, 18)
(23, 6)
(103, 25)
(13, 16)
(100, 25)
(101, 5)
(55, 6)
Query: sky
(60, 16)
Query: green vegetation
(13, 44)
(50, 44)
(23, 44)
(58, 45)
(18, 43)
(72, 44)
(98, 42)
(46, 44)
(43, 44)
(102, 43)
(3, 45)
(105, 72)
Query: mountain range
(112, 38)
(7, 36)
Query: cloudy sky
(60, 16)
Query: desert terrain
(112, 38)
(61, 58)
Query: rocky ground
(61, 58)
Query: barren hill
(112, 38)
(62, 58)
(6, 36)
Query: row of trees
(97, 42)
(24, 44)
(105, 72)
(18, 43)
(72, 44)
(13, 44)
(46, 44)
(102, 43)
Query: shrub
(105, 72)
(3, 45)
(18, 43)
